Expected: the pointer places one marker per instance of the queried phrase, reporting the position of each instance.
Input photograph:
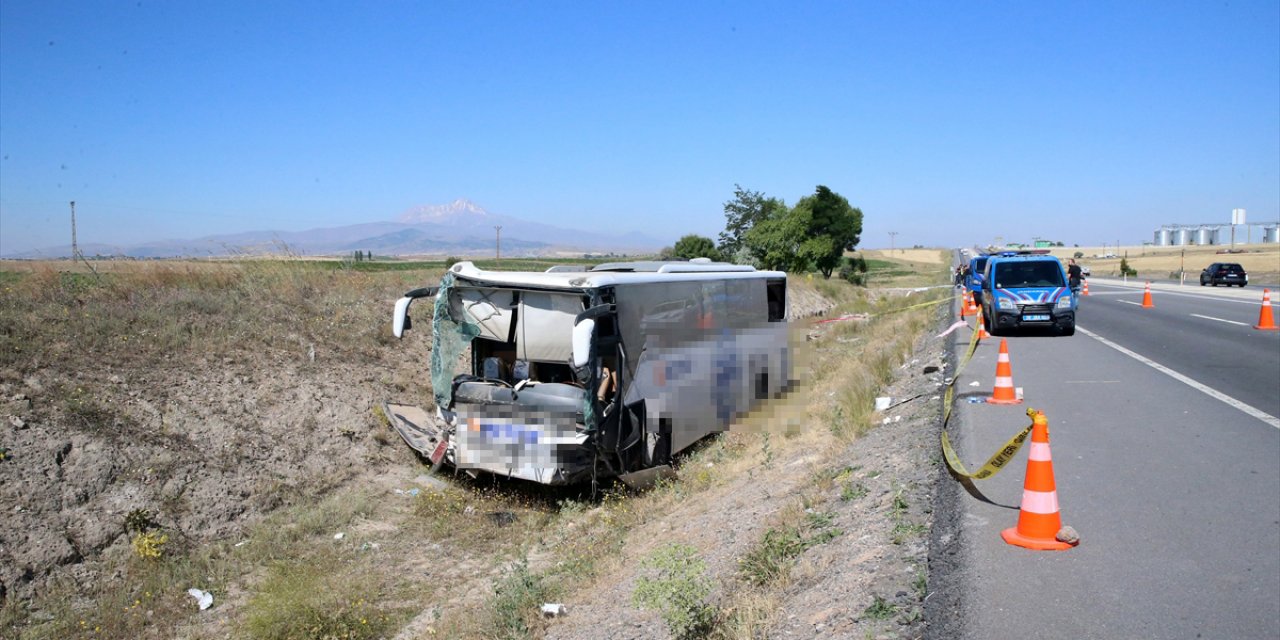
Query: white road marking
(1130, 302)
(1243, 324)
(1209, 391)
(1239, 297)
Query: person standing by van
(1074, 276)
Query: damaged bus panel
(568, 375)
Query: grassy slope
(288, 577)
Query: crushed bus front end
(570, 375)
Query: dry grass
(856, 359)
(296, 580)
(136, 313)
(1261, 261)
(923, 256)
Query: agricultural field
(1261, 261)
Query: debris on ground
(204, 599)
(1068, 535)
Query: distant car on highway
(1227, 273)
(1084, 271)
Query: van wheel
(1069, 329)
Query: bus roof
(614, 273)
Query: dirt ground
(880, 554)
(214, 445)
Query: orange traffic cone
(1004, 392)
(966, 304)
(1085, 292)
(1146, 297)
(982, 327)
(1265, 321)
(1038, 519)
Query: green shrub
(1125, 269)
(676, 585)
(517, 596)
(772, 558)
(854, 271)
(880, 609)
(310, 600)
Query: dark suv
(1227, 273)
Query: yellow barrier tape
(917, 306)
(994, 464)
(964, 362)
(1001, 457)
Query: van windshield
(1015, 275)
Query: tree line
(763, 231)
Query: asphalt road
(1205, 333)
(1167, 461)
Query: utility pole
(75, 249)
(498, 240)
(892, 234)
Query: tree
(695, 246)
(747, 209)
(781, 241)
(833, 227)
(1125, 269)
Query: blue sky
(949, 123)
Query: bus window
(777, 292)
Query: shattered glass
(450, 338)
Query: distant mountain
(442, 213)
(458, 228)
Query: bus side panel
(706, 349)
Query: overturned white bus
(576, 374)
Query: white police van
(1022, 290)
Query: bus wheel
(762, 384)
(658, 445)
